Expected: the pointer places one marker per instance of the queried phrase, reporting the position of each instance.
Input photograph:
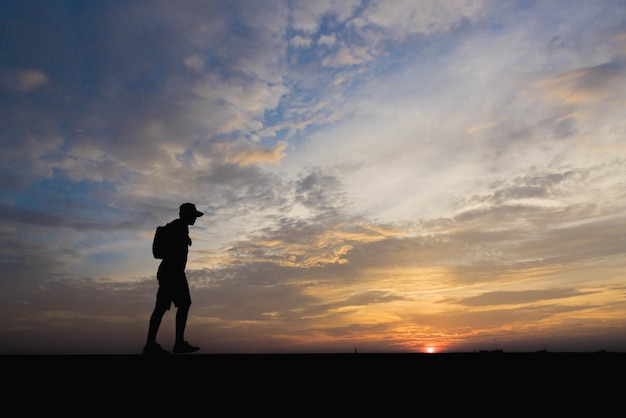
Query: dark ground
(292, 385)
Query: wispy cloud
(23, 80)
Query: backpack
(162, 242)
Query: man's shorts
(173, 289)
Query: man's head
(189, 213)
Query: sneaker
(154, 349)
(184, 347)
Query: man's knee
(184, 305)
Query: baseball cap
(190, 209)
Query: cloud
(594, 84)
(234, 103)
(307, 16)
(534, 187)
(300, 42)
(195, 62)
(425, 17)
(259, 156)
(519, 297)
(23, 80)
(321, 191)
(327, 40)
(347, 56)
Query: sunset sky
(379, 175)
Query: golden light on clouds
(260, 156)
(589, 85)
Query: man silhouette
(173, 286)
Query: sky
(376, 175)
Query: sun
(430, 350)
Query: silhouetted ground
(318, 384)
(287, 364)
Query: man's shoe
(184, 347)
(154, 350)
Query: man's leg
(183, 303)
(181, 323)
(155, 322)
(182, 346)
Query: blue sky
(397, 176)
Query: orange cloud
(259, 156)
(582, 86)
